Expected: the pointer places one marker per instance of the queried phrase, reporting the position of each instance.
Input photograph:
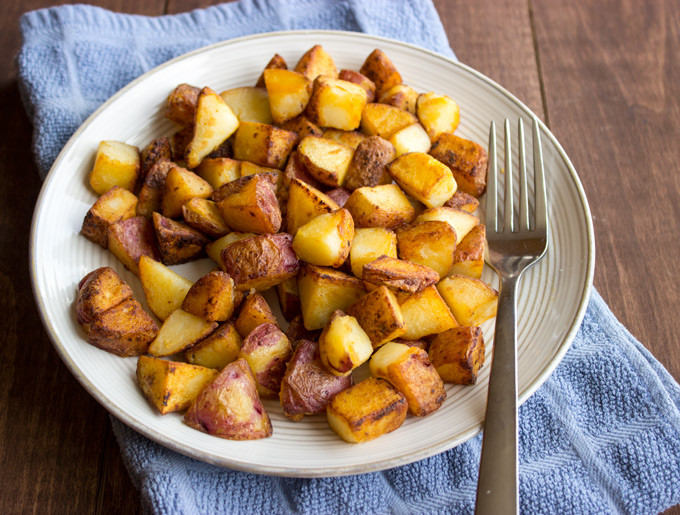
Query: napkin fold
(602, 435)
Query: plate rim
(382, 464)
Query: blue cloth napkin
(602, 435)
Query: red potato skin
(296, 332)
(267, 335)
(137, 237)
(339, 195)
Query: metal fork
(513, 247)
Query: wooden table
(603, 75)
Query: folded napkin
(602, 435)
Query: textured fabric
(602, 435)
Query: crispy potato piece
(385, 120)
(204, 216)
(252, 206)
(410, 371)
(255, 311)
(181, 104)
(164, 289)
(380, 69)
(369, 163)
(289, 93)
(302, 126)
(411, 139)
(343, 344)
(249, 104)
(336, 103)
(171, 385)
(471, 301)
(461, 221)
(349, 138)
(179, 141)
(263, 144)
(214, 248)
(211, 297)
(468, 259)
(237, 184)
(229, 407)
(214, 122)
(125, 329)
(430, 243)
(267, 351)
(464, 201)
(326, 160)
(151, 192)
(158, 149)
(361, 80)
(324, 290)
(114, 205)
(296, 331)
(305, 203)
(437, 113)
(401, 96)
(177, 242)
(181, 185)
(326, 239)
(339, 195)
(116, 164)
(380, 206)
(276, 62)
(425, 313)
(225, 149)
(399, 274)
(260, 261)
(369, 244)
(424, 178)
(295, 169)
(315, 62)
(307, 386)
(421, 344)
(367, 410)
(289, 298)
(99, 291)
(218, 171)
(179, 332)
(458, 354)
(218, 349)
(467, 160)
(131, 239)
(379, 315)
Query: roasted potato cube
(326, 239)
(385, 120)
(336, 103)
(326, 160)
(324, 290)
(430, 243)
(369, 163)
(380, 69)
(229, 407)
(218, 349)
(467, 160)
(99, 291)
(218, 171)
(131, 239)
(315, 62)
(181, 185)
(468, 259)
(276, 62)
(263, 144)
(349, 138)
(171, 385)
(180, 331)
(296, 331)
(369, 244)
(260, 261)
(295, 169)
(401, 96)
(114, 205)
(458, 354)
(410, 371)
(464, 201)
(289, 298)
(252, 206)
(471, 301)
(158, 149)
(267, 351)
(125, 329)
(307, 386)
(254, 312)
(238, 184)
(424, 178)
(305, 203)
(343, 344)
(437, 113)
(339, 195)
(421, 344)
(116, 164)
(178, 243)
(151, 192)
(214, 248)
(411, 139)
(425, 313)
(249, 104)
(204, 216)
(367, 410)
(211, 297)
(289, 93)
(164, 289)
(181, 104)
(179, 141)
(461, 221)
(361, 80)
(380, 206)
(214, 122)
(399, 274)
(273, 175)
(379, 315)
(302, 126)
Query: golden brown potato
(218, 349)
(180, 331)
(437, 113)
(211, 297)
(159, 149)
(164, 288)
(316, 61)
(367, 410)
(326, 239)
(125, 329)
(410, 371)
(181, 104)
(179, 141)
(424, 178)
(307, 386)
(425, 313)
(218, 171)
(237, 184)
(384, 120)
(171, 385)
(467, 160)
(369, 244)
(289, 93)
(380, 69)
(430, 243)
(361, 80)
(349, 138)
(267, 351)
(177, 242)
(251, 206)
(260, 261)
(131, 239)
(336, 103)
(369, 163)
(289, 298)
(458, 354)
(273, 175)
(379, 315)
(461, 221)
(276, 62)
(305, 203)
(411, 139)
(302, 126)
(464, 201)
(380, 206)
(204, 216)
(254, 312)
(181, 185)
(468, 259)
(421, 344)
(343, 344)
(249, 104)
(151, 192)
(116, 164)
(214, 248)
(399, 274)
(114, 205)
(263, 144)
(471, 301)
(99, 291)
(326, 160)
(401, 96)
(229, 407)
(295, 169)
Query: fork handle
(497, 489)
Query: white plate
(553, 295)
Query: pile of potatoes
(346, 191)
